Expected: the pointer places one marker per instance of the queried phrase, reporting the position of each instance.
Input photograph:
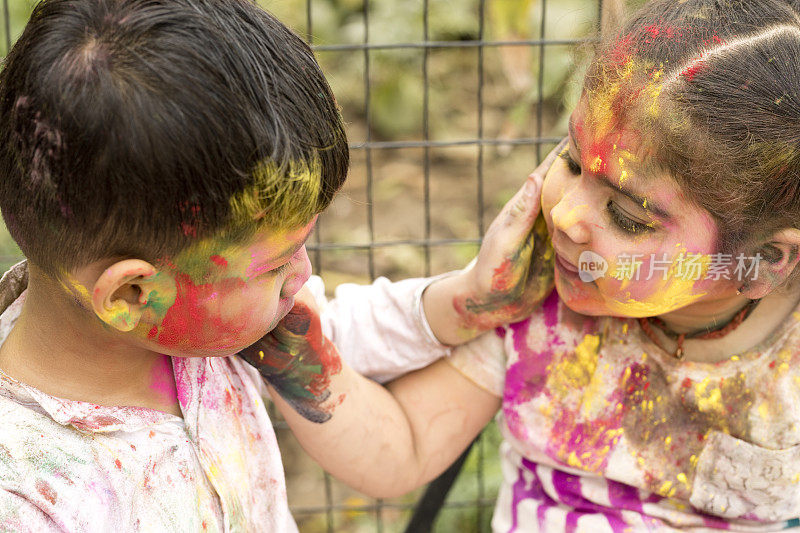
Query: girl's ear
(118, 297)
(777, 259)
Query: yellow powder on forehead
(637, 84)
(281, 197)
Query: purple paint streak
(534, 491)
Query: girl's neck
(706, 315)
(765, 318)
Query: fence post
(611, 14)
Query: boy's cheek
(222, 316)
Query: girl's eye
(624, 222)
(572, 165)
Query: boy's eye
(624, 222)
(572, 165)
(281, 269)
(264, 271)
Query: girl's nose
(569, 216)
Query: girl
(657, 388)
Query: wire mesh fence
(449, 105)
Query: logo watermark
(686, 267)
(591, 266)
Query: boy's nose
(299, 273)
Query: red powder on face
(599, 153)
(194, 320)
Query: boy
(161, 165)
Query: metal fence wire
(393, 186)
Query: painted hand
(298, 360)
(514, 268)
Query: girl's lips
(569, 267)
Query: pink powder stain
(589, 440)
(526, 378)
(186, 382)
(162, 380)
(183, 385)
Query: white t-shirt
(604, 431)
(75, 466)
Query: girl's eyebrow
(608, 182)
(642, 201)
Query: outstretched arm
(381, 441)
(381, 329)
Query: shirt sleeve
(21, 515)
(483, 361)
(380, 329)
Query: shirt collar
(84, 416)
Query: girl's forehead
(588, 123)
(621, 155)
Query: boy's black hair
(134, 128)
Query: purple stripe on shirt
(533, 491)
(568, 489)
(622, 496)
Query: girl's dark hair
(724, 77)
(135, 128)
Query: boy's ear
(778, 258)
(117, 296)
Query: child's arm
(381, 441)
(510, 277)
(381, 329)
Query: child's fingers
(551, 157)
(525, 204)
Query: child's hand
(511, 275)
(297, 360)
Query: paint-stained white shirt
(74, 466)
(606, 432)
